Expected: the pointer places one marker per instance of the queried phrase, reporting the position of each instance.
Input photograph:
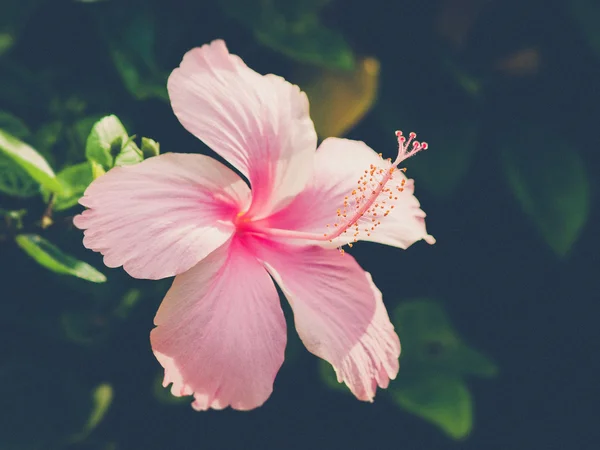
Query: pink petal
(220, 331)
(339, 313)
(160, 217)
(339, 164)
(260, 124)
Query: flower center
(242, 221)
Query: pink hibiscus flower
(220, 332)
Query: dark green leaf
(46, 137)
(296, 32)
(307, 40)
(135, 79)
(440, 399)
(30, 160)
(51, 257)
(471, 362)
(105, 141)
(430, 344)
(74, 180)
(130, 154)
(550, 182)
(102, 397)
(132, 50)
(14, 180)
(6, 41)
(127, 304)
(13, 125)
(83, 127)
(150, 147)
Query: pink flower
(220, 332)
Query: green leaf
(52, 258)
(549, 180)
(105, 141)
(14, 180)
(295, 32)
(430, 344)
(102, 397)
(74, 180)
(127, 303)
(13, 125)
(6, 42)
(97, 170)
(132, 47)
(140, 87)
(433, 362)
(83, 127)
(307, 40)
(150, 147)
(30, 160)
(469, 361)
(46, 137)
(130, 154)
(442, 400)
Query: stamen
(367, 198)
(372, 185)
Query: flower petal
(339, 163)
(220, 331)
(160, 217)
(339, 313)
(260, 124)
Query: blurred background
(498, 319)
